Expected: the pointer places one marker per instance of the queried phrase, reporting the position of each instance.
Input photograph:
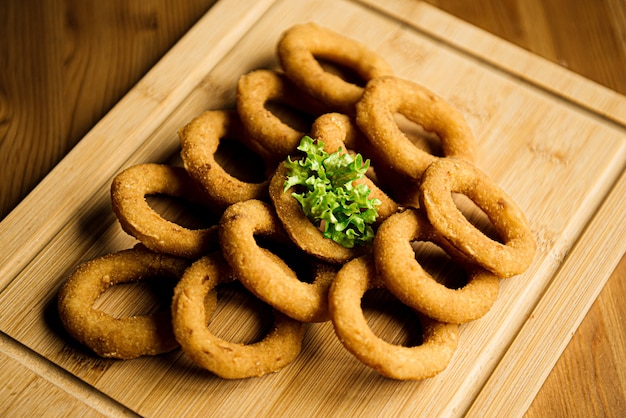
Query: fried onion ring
(383, 97)
(409, 282)
(301, 230)
(300, 47)
(398, 190)
(110, 337)
(263, 272)
(446, 176)
(128, 191)
(393, 361)
(225, 359)
(337, 131)
(199, 141)
(271, 137)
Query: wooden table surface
(65, 63)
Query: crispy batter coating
(393, 361)
(446, 176)
(264, 273)
(383, 97)
(337, 131)
(301, 230)
(128, 198)
(302, 45)
(405, 278)
(353, 102)
(279, 347)
(199, 141)
(271, 137)
(107, 336)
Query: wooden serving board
(553, 140)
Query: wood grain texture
(588, 38)
(65, 64)
(25, 390)
(96, 51)
(588, 379)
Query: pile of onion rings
(261, 238)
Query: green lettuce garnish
(324, 187)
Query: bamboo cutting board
(554, 141)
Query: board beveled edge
(518, 377)
(507, 58)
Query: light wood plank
(590, 369)
(514, 61)
(32, 386)
(561, 309)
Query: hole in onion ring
(430, 142)
(239, 161)
(300, 262)
(346, 73)
(182, 212)
(476, 216)
(439, 265)
(137, 298)
(391, 320)
(294, 118)
(239, 317)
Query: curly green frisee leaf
(323, 185)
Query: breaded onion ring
(385, 96)
(409, 282)
(446, 176)
(337, 131)
(225, 359)
(199, 141)
(107, 336)
(393, 361)
(263, 272)
(301, 230)
(271, 137)
(400, 190)
(128, 198)
(300, 47)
